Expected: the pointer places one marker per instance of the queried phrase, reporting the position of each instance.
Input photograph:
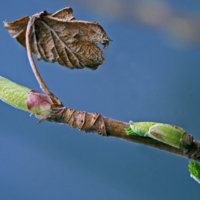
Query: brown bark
(95, 123)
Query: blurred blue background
(151, 74)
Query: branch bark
(95, 123)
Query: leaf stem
(30, 57)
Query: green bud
(25, 99)
(140, 128)
(168, 134)
(14, 94)
(194, 169)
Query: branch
(45, 107)
(95, 123)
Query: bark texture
(95, 123)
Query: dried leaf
(58, 37)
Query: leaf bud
(39, 104)
(194, 169)
(14, 94)
(25, 99)
(171, 135)
(168, 134)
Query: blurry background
(151, 74)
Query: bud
(39, 104)
(25, 99)
(140, 128)
(14, 94)
(168, 134)
(194, 169)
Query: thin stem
(30, 57)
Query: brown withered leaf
(58, 37)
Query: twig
(95, 123)
(116, 129)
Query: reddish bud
(39, 104)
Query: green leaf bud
(140, 128)
(14, 94)
(25, 99)
(194, 169)
(168, 134)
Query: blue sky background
(151, 74)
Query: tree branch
(95, 123)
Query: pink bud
(39, 104)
